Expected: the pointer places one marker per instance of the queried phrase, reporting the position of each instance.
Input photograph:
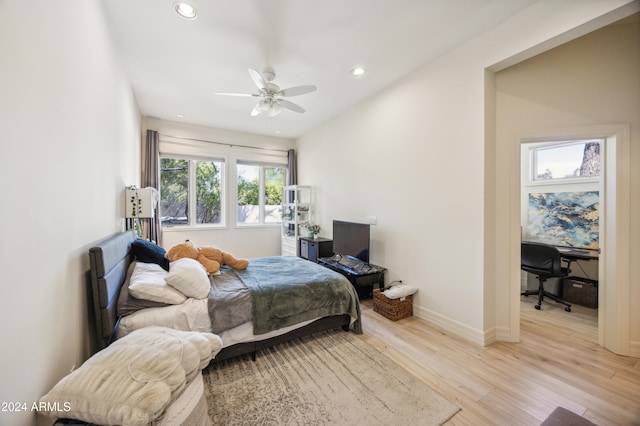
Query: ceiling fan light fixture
(264, 105)
(269, 107)
(185, 10)
(274, 110)
(272, 100)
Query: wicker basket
(393, 309)
(581, 291)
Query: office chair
(544, 261)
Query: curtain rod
(223, 143)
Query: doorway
(528, 99)
(560, 206)
(613, 277)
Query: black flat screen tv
(351, 239)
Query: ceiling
(176, 65)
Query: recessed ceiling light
(186, 10)
(180, 115)
(358, 72)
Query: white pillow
(133, 381)
(148, 282)
(189, 277)
(400, 291)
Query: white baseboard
(456, 328)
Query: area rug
(330, 378)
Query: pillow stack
(155, 279)
(133, 381)
(189, 277)
(148, 282)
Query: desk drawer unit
(312, 249)
(581, 291)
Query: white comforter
(133, 381)
(193, 315)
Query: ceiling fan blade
(298, 90)
(258, 79)
(255, 95)
(290, 105)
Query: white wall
(69, 142)
(414, 156)
(391, 158)
(241, 241)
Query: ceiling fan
(270, 94)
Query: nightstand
(311, 249)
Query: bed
(111, 263)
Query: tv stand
(363, 276)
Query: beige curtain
(293, 167)
(293, 171)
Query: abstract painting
(564, 219)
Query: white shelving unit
(296, 211)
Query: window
(195, 183)
(566, 160)
(259, 189)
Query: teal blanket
(287, 290)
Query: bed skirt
(189, 409)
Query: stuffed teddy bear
(189, 250)
(211, 258)
(223, 258)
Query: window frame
(532, 163)
(262, 165)
(191, 192)
(196, 147)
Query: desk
(578, 254)
(574, 255)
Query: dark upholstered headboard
(109, 261)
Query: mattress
(193, 315)
(229, 307)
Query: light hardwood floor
(557, 363)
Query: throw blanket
(229, 301)
(288, 290)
